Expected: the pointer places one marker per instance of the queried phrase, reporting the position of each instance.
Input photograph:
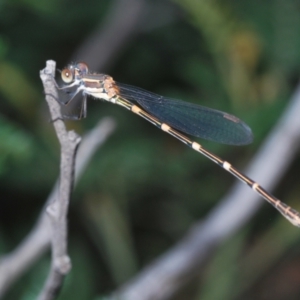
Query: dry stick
(169, 273)
(13, 265)
(58, 209)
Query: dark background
(143, 189)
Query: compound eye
(67, 75)
(82, 68)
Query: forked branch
(58, 209)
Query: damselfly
(173, 117)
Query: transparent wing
(190, 118)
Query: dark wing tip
(246, 136)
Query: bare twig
(57, 210)
(13, 265)
(164, 277)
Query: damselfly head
(74, 71)
(82, 68)
(67, 75)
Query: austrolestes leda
(172, 116)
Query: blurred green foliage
(144, 189)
